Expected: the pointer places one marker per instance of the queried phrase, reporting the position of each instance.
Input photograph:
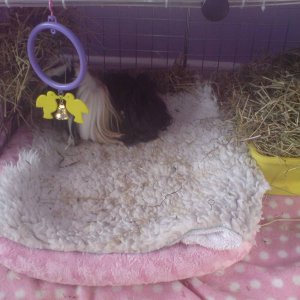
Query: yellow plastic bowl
(283, 174)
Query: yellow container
(282, 173)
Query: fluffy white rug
(193, 185)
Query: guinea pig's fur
(102, 122)
(143, 114)
(122, 108)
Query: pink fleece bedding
(177, 262)
(173, 263)
(270, 271)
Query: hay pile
(175, 80)
(18, 85)
(264, 98)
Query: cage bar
(164, 3)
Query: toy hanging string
(62, 104)
(50, 4)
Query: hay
(175, 80)
(18, 84)
(264, 100)
(171, 80)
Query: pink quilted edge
(168, 264)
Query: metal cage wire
(165, 3)
(148, 37)
(156, 37)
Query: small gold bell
(61, 113)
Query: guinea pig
(142, 112)
(122, 107)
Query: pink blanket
(270, 271)
(176, 262)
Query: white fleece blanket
(193, 185)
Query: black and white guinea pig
(122, 107)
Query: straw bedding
(264, 100)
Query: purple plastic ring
(76, 43)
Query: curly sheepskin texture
(192, 185)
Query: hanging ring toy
(49, 102)
(76, 43)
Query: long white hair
(102, 117)
(101, 124)
(122, 108)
